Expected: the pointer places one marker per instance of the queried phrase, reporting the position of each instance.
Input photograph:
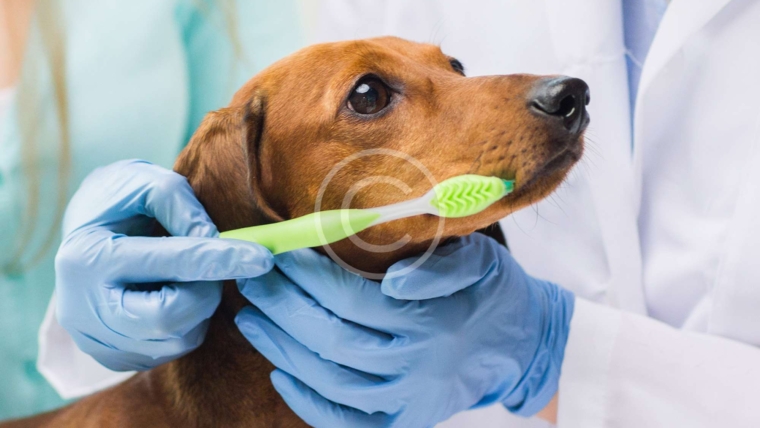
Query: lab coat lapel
(736, 298)
(682, 19)
(588, 40)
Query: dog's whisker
(589, 165)
(434, 32)
(555, 203)
(583, 169)
(443, 39)
(593, 150)
(514, 220)
(535, 207)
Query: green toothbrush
(459, 196)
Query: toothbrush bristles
(466, 195)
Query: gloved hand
(130, 300)
(467, 328)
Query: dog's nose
(563, 98)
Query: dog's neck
(225, 382)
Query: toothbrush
(459, 196)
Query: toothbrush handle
(304, 232)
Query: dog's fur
(264, 158)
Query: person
(654, 236)
(111, 81)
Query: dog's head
(381, 117)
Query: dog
(265, 157)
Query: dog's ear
(253, 135)
(222, 165)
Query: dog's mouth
(562, 161)
(549, 174)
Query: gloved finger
(132, 188)
(346, 294)
(173, 259)
(169, 312)
(334, 339)
(318, 412)
(172, 202)
(451, 268)
(124, 354)
(342, 385)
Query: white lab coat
(668, 230)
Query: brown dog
(266, 156)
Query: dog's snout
(563, 98)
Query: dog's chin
(540, 184)
(549, 175)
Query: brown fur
(263, 159)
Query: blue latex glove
(130, 300)
(467, 328)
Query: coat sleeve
(627, 370)
(71, 372)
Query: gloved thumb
(448, 270)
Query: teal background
(140, 75)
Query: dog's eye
(369, 96)
(457, 66)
